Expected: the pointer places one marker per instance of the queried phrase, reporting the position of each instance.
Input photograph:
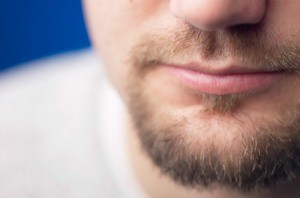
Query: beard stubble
(268, 157)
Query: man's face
(212, 86)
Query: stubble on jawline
(165, 139)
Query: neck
(157, 185)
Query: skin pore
(199, 144)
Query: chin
(200, 148)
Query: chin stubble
(270, 155)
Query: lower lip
(224, 84)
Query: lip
(226, 80)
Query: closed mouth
(224, 80)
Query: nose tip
(218, 14)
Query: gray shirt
(61, 132)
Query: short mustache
(247, 43)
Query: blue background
(31, 29)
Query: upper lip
(231, 69)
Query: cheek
(115, 25)
(283, 20)
(109, 29)
(114, 22)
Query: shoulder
(42, 76)
(42, 89)
(44, 71)
(48, 129)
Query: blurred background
(34, 29)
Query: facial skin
(243, 137)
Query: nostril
(218, 14)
